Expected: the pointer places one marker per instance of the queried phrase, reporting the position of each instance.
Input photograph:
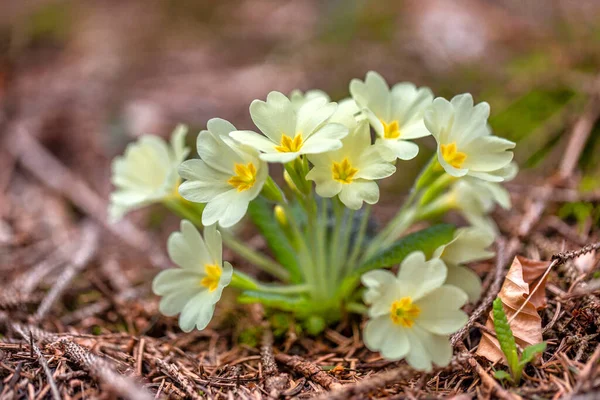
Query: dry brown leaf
(522, 277)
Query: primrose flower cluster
(326, 256)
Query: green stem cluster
(328, 240)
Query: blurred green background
(95, 74)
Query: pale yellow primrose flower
(412, 314)
(465, 143)
(350, 172)
(476, 198)
(469, 245)
(146, 173)
(474, 204)
(396, 115)
(195, 288)
(288, 132)
(298, 98)
(227, 177)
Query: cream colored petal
(312, 116)
(275, 117)
(440, 310)
(418, 277)
(354, 194)
(466, 280)
(198, 311)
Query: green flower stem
(401, 222)
(255, 258)
(334, 250)
(356, 308)
(360, 238)
(428, 174)
(304, 254)
(312, 237)
(241, 281)
(436, 188)
(297, 171)
(178, 206)
(403, 218)
(342, 265)
(271, 191)
(321, 239)
(435, 209)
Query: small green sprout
(509, 347)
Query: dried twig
(87, 248)
(102, 370)
(173, 372)
(41, 360)
(588, 370)
(487, 380)
(309, 370)
(379, 381)
(274, 383)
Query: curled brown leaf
(522, 277)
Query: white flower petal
(227, 209)
(313, 115)
(401, 149)
(469, 244)
(419, 277)
(440, 310)
(414, 131)
(275, 117)
(172, 303)
(354, 194)
(373, 94)
(174, 280)
(418, 356)
(254, 140)
(328, 188)
(214, 244)
(187, 248)
(439, 119)
(279, 157)
(325, 139)
(466, 280)
(198, 311)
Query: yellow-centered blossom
(395, 114)
(228, 175)
(465, 143)
(351, 171)
(195, 286)
(413, 313)
(146, 173)
(292, 128)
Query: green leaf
(426, 240)
(530, 352)
(261, 213)
(502, 375)
(506, 338)
(278, 301)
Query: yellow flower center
(289, 145)
(213, 275)
(391, 130)
(244, 178)
(452, 155)
(343, 171)
(404, 312)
